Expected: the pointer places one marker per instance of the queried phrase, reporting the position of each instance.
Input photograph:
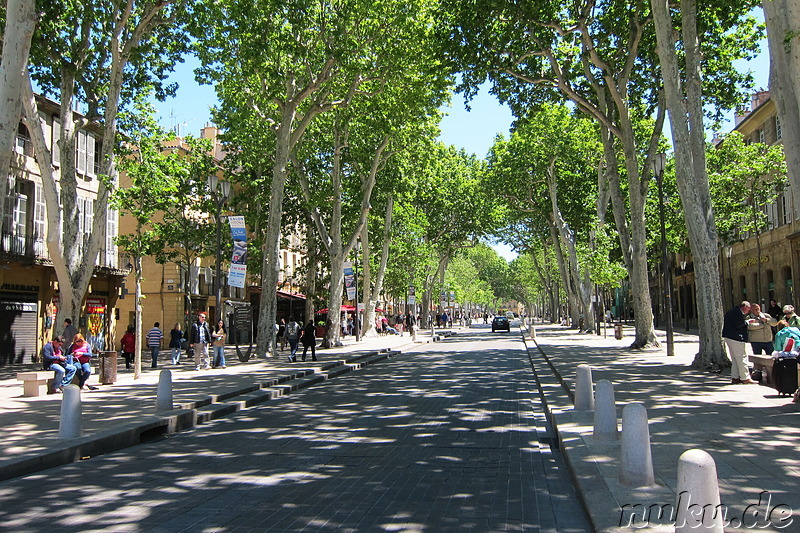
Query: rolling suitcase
(784, 375)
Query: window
(15, 225)
(778, 128)
(23, 144)
(761, 136)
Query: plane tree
(277, 69)
(97, 56)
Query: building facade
(759, 268)
(28, 287)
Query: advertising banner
(238, 270)
(412, 295)
(349, 280)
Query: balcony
(21, 246)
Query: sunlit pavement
(439, 438)
(751, 432)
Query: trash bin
(108, 368)
(618, 331)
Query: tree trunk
(270, 266)
(137, 302)
(377, 288)
(783, 23)
(20, 24)
(686, 122)
(311, 274)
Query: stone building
(28, 286)
(746, 273)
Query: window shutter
(80, 154)
(39, 223)
(111, 233)
(90, 162)
(56, 137)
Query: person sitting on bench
(81, 353)
(54, 360)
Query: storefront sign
(753, 261)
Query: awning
(344, 308)
(290, 295)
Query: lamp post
(220, 192)
(686, 291)
(355, 282)
(728, 254)
(658, 171)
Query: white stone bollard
(698, 507)
(636, 460)
(414, 333)
(532, 331)
(605, 412)
(164, 396)
(584, 396)
(69, 427)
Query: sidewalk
(123, 414)
(751, 432)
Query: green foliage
(744, 178)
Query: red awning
(290, 295)
(344, 308)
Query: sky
(473, 130)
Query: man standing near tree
(734, 332)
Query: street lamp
(220, 192)
(658, 171)
(728, 254)
(686, 291)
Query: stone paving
(751, 432)
(447, 438)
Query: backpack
(291, 330)
(785, 334)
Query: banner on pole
(238, 270)
(349, 280)
(412, 295)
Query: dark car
(500, 323)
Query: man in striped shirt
(154, 337)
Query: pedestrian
(789, 318)
(200, 338)
(154, 338)
(309, 338)
(759, 330)
(219, 335)
(410, 323)
(734, 332)
(282, 333)
(53, 359)
(175, 338)
(69, 333)
(128, 345)
(292, 336)
(774, 309)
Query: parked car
(500, 323)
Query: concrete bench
(765, 363)
(35, 383)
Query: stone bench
(764, 363)
(35, 383)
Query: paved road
(447, 437)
